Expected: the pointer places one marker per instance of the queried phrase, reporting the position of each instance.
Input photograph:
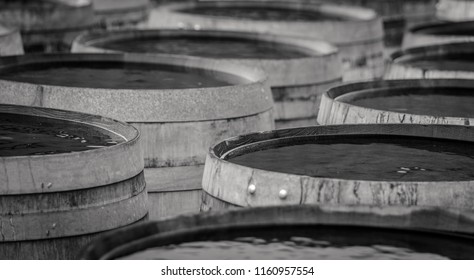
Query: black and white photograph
(237, 139)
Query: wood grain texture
(359, 39)
(10, 42)
(297, 83)
(129, 240)
(333, 110)
(229, 182)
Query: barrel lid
(250, 97)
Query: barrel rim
(422, 28)
(343, 11)
(37, 167)
(218, 151)
(253, 81)
(338, 91)
(37, 112)
(365, 26)
(430, 50)
(392, 217)
(316, 53)
(318, 48)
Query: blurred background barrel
(372, 164)
(10, 42)
(357, 32)
(65, 177)
(455, 10)
(450, 60)
(121, 12)
(299, 70)
(434, 101)
(438, 33)
(297, 232)
(47, 25)
(180, 105)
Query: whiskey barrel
(65, 177)
(450, 60)
(180, 105)
(299, 70)
(438, 33)
(357, 32)
(121, 12)
(10, 42)
(425, 233)
(429, 101)
(47, 25)
(455, 10)
(397, 15)
(370, 164)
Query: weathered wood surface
(230, 182)
(424, 35)
(455, 10)
(297, 83)
(47, 25)
(121, 12)
(177, 126)
(10, 42)
(337, 110)
(359, 37)
(65, 196)
(126, 241)
(405, 70)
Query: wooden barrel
(65, 177)
(360, 226)
(181, 106)
(455, 10)
(47, 25)
(438, 33)
(299, 70)
(397, 15)
(450, 60)
(10, 42)
(370, 164)
(430, 101)
(121, 12)
(357, 32)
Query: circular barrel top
(135, 87)
(429, 222)
(425, 101)
(436, 33)
(314, 20)
(30, 16)
(39, 145)
(288, 61)
(450, 60)
(347, 164)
